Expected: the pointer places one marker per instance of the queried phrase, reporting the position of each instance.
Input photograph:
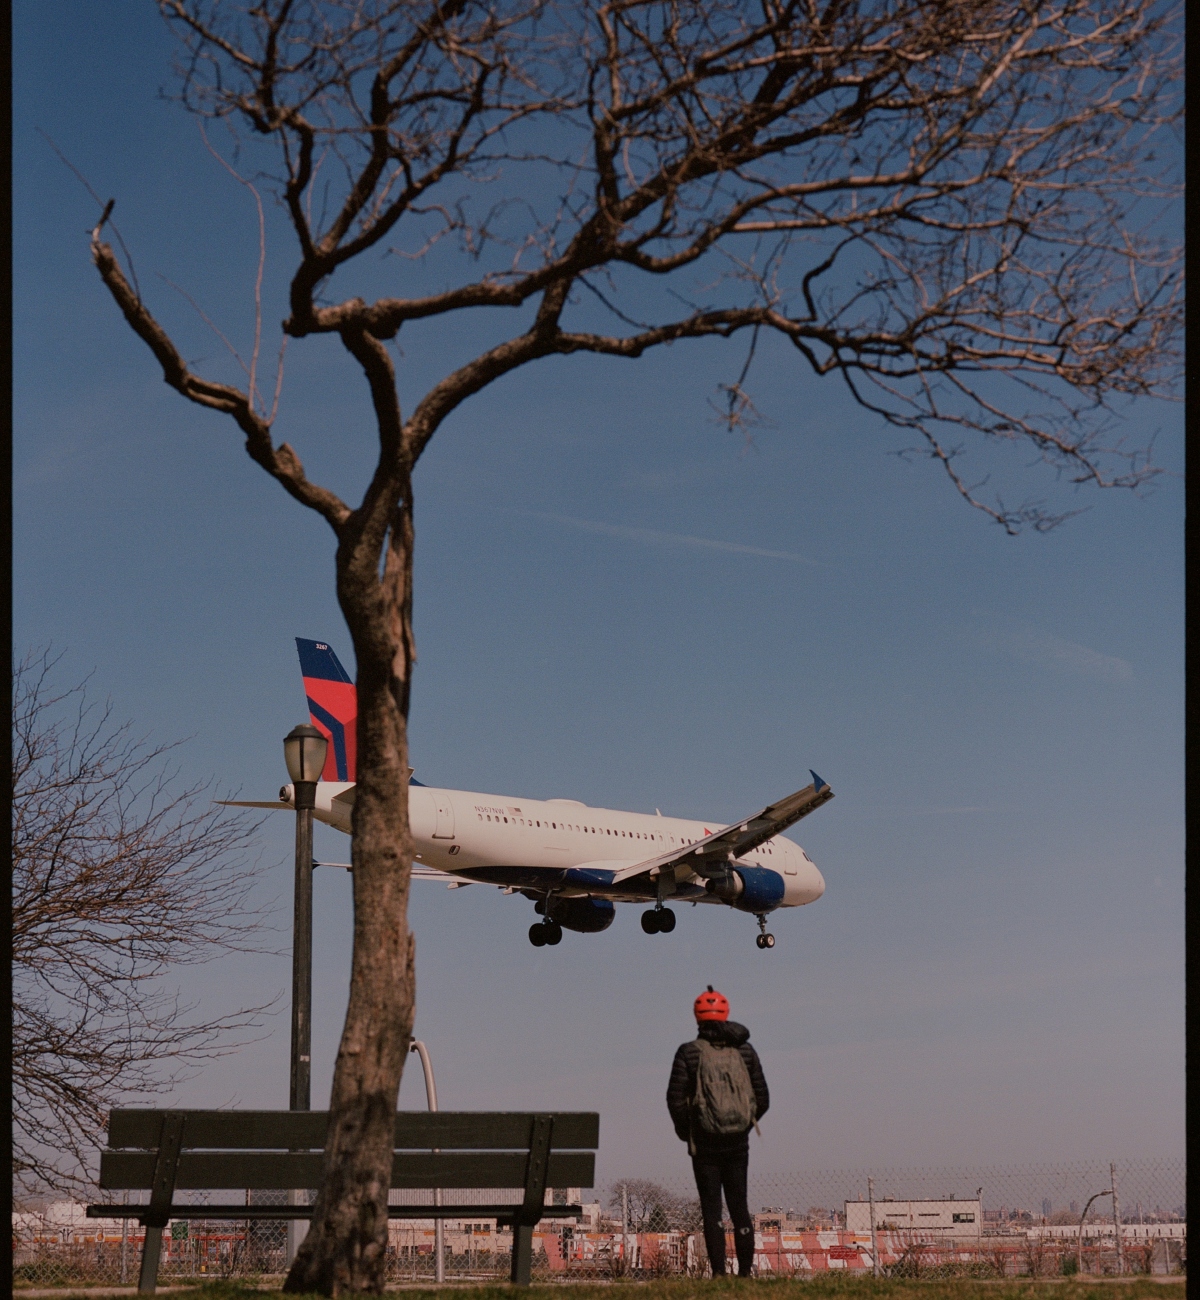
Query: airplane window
(506, 821)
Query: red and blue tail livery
(332, 706)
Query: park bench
(160, 1151)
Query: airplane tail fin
(332, 706)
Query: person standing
(716, 1096)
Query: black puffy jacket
(682, 1088)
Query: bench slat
(284, 1130)
(285, 1212)
(129, 1170)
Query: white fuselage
(493, 837)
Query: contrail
(657, 538)
(1024, 641)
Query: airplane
(573, 861)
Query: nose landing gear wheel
(764, 940)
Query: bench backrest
(284, 1149)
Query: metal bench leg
(151, 1250)
(540, 1132)
(522, 1255)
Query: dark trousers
(713, 1173)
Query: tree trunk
(346, 1248)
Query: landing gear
(763, 939)
(659, 920)
(545, 932)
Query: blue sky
(617, 601)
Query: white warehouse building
(946, 1217)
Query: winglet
(818, 784)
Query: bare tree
(119, 877)
(653, 1208)
(961, 207)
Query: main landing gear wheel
(764, 940)
(545, 932)
(659, 920)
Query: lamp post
(439, 1227)
(1079, 1240)
(304, 752)
(875, 1269)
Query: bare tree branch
(281, 463)
(120, 877)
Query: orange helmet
(711, 1005)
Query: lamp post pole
(439, 1227)
(1116, 1204)
(1079, 1239)
(300, 1091)
(304, 750)
(875, 1269)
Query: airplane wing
(252, 803)
(425, 873)
(711, 856)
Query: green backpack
(723, 1103)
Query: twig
(106, 215)
(262, 258)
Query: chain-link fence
(1028, 1220)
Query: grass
(820, 1288)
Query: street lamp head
(304, 752)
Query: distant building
(948, 1217)
(1074, 1207)
(815, 1219)
(1045, 1207)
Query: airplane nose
(815, 882)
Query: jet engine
(749, 889)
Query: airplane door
(444, 830)
(421, 814)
